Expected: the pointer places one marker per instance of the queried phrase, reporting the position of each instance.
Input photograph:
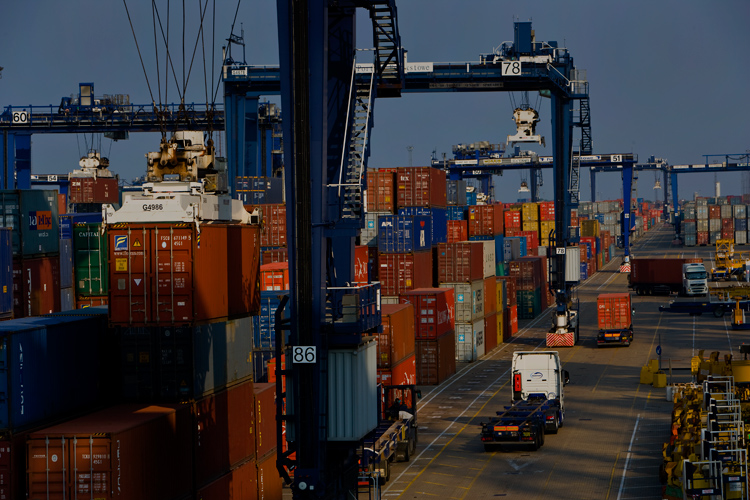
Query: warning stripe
(560, 339)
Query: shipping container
(261, 359)
(530, 303)
(485, 220)
(127, 451)
(436, 359)
(224, 426)
(179, 363)
(350, 380)
(404, 233)
(456, 192)
(460, 262)
(402, 373)
(396, 342)
(421, 187)
(488, 258)
(268, 480)
(274, 225)
(84, 302)
(33, 217)
(90, 256)
(528, 272)
(93, 190)
(490, 292)
(457, 212)
(361, 264)
(369, 234)
(457, 231)
(491, 333)
(547, 211)
(399, 273)
(36, 286)
(241, 483)
(381, 191)
(67, 299)
(273, 255)
(512, 219)
(469, 300)
(169, 274)
(265, 419)
(6, 273)
(590, 228)
(470, 340)
(529, 212)
(433, 311)
(438, 223)
(274, 277)
(243, 266)
(613, 311)
(510, 290)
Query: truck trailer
(654, 276)
(537, 404)
(615, 319)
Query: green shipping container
(501, 268)
(32, 215)
(90, 260)
(529, 303)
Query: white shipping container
(352, 390)
(726, 211)
(702, 225)
(469, 299)
(389, 299)
(489, 258)
(573, 264)
(740, 237)
(740, 211)
(714, 225)
(369, 234)
(470, 340)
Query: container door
(90, 466)
(90, 260)
(47, 466)
(172, 268)
(129, 266)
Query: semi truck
(651, 276)
(615, 319)
(694, 280)
(395, 437)
(537, 404)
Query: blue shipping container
(471, 198)
(67, 221)
(50, 368)
(6, 272)
(584, 271)
(404, 234)
(264, 331)
(439, 221)
(66, 263)
(740, 224)
(457, 212)
(522, 244)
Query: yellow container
(647, 377)
(741, 370)
(529, 212)
(660, 379)
(590, 228)
(531, 225)
(500, 327)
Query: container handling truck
(615, 319)
(536, 408)
(650, 276)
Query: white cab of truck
(694, 279)
(538, 374)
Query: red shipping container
(614, 311)
(436, 359)
(265, 419)
(274, 277)
(714, 212)
(93, 190)
(274, 225)
(373, 267)
(512, 220)
(167, 274)
(490, 293)
(528, 273)
(36, 286)
(461, 262)
(458, 230)
(402, 373)
(396, 342)
(127, 451)
(62, 207)
(243, 259)
(727, 234)
(702, 238)
(532, 239)
(546, 210)
(82, 301)
(485, 220)
(510, 290)
(241, 483)
(275, 255)
(13, 466)
(434, 311)
(401, 272)
(268, 480)
(421, 187)
(381, 191)
(490, 333)
(224, 435)
(727, 224)
(361, 264)
(513, 323)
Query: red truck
(649, 276)
(615, 319)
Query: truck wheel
(536, 444)
(718, 311)
(541, 435)
(489, 448)
(553, 427)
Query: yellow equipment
(727, 262)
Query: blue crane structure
(327, 98)
(112, 115)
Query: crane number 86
(304, 354)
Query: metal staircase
(354, 162)
(584, 115)
(575, 172)
(388, 54)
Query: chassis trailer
(395, 437)
(537, 406)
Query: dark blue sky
(667, 78)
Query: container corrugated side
(396, 341)
(352, 379)
(434, 313)
(264, 401)
(33, 216)
(241, 483)
(6, 273)
(126, 451)
(469, 300)
(90, 260)
(243, 269)
(436, 359)
(36, 286)
(470, 340)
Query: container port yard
(269, 310)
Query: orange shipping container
(512, 220)
(490, 333)
(490, 292)
(397, 340)
(547, 210)
(62, 204)
(421, 187)
(613, 311)
(265, 419)
(402, 373)
(458, 230)
(274, 277)
(243, 259)
(485, 220)
(361, 264)
(268, 480)
(241, 483)
(381, 191)
(274, 225)
(83, 302)
(168, 274)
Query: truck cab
(694, 280)
(538, 375)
